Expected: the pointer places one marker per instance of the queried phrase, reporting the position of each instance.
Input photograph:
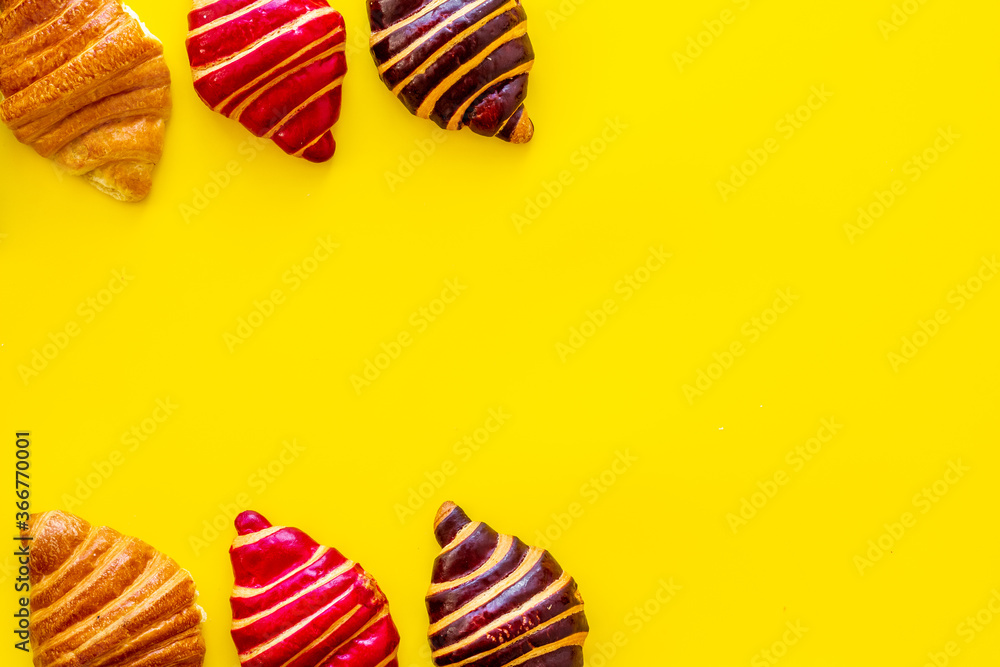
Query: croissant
(494, 601)
(457, 62)
(299, 604)
(276, 67)
(100, 598)
(85, 84)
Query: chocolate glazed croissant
(86, 85)
(457, 62)
(100, 598)
(496, 602)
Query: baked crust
(85, 83)
(100, 598)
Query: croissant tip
(446, 508)
(524, 130)
(251, 522)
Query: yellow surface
(664, 132)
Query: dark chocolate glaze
(477, 79)
(491, 607)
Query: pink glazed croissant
(297, 603)
(276, 66)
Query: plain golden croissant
(85, 84)
(100, 598)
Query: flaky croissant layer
(102, 599)
(85, 83)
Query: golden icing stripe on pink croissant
(265, 81)
(205, 27)
(494, 601)
(276, 66)
(262, 42)
(333, 85)
(327, 578)
(84, 83)
(243, 592)
(275, 641)
(244, 540)
(457, 62)
(101, 598)
(297, 603)
(331, 630)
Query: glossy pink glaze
(274, 68)
(339, 615)
(251, 522)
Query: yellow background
(495, 346)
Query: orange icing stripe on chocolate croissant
(496, 602)
(457, 62)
